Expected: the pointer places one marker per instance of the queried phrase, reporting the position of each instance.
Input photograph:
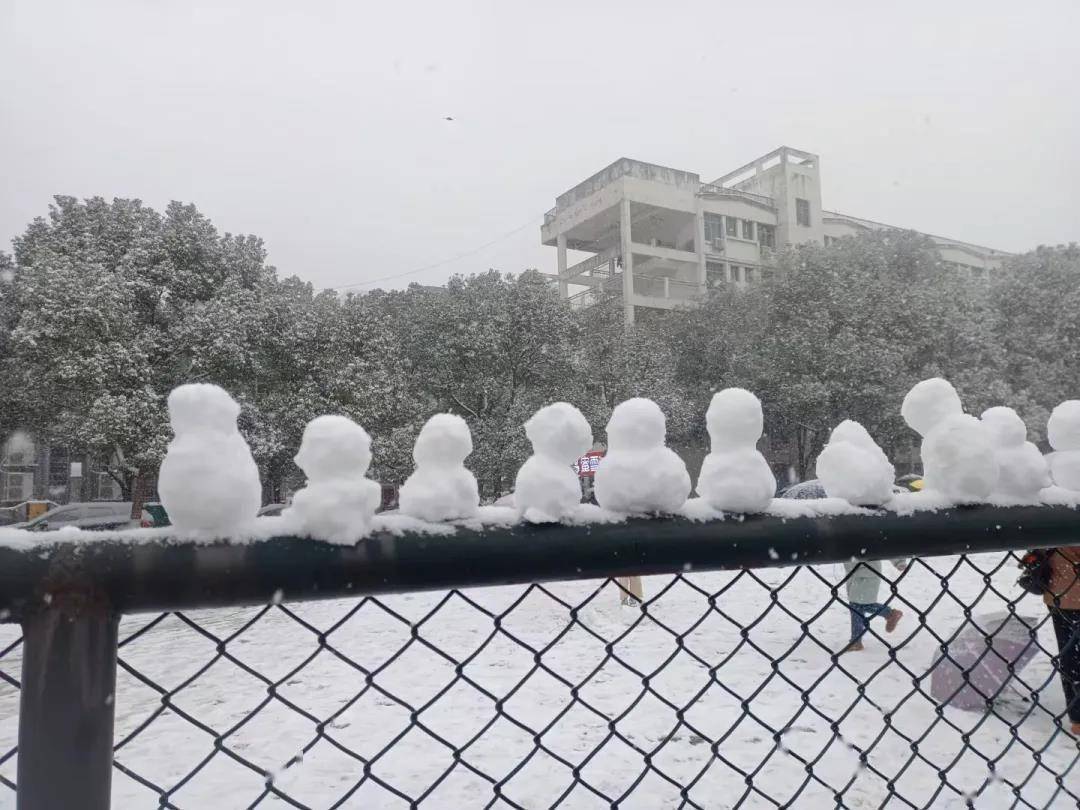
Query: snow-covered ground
(626, 740)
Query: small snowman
(1063, 433)
(441, 488)
(852, 466)
(735, 477)
(1022, 469)
(547, 489)
(640, 474)
(957, 450)
(339, 501)
(208, 480)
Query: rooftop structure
(659, 237)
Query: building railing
(499, 666)
(592, 265)
(720, 191)
(667, 288)
(608, 288)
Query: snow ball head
(560, 432)
(854, 473)
(636, 424)
(852, 432)
(734, 418)
(334, 447)
(1006, 427)
(198, 407)
(445, 439)
(929, 403)
(1063, 428)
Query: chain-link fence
(719, 688)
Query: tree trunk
(84, 482)
(145, 483)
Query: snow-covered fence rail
(720, 689)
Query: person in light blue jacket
(863, 580)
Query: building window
(16, 487)
(732, 226)
(766, 235)
(748, 275)
(748, 229)
(108, 489)
(802, 212)
(714, 274)
(714, 228)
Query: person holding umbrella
(1062, 598)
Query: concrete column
(626, 246)
(560, 242)
(66, 704)
(699, 242)
(667, 287)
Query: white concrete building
(658, 237)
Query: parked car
(17, 513)
(272, 509)
(94, 515)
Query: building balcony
(660, 251)
(661, 292)
(658, 292)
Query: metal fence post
(67, 706)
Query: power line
(441, 262)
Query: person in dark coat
(1063, 602)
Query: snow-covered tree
(492, 349)
(618, 362)
(1037, 297)
(116, 305)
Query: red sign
(587, 464)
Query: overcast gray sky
(319, 126)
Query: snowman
(1063, 433)
(441, 488)
(852, 466)
(734, 476)
(339, 501)
(547, 488)
(640, 474)
(208, 480)
(957, 451)
(1022, 469)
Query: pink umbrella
(1012, 645)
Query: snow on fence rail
(495, 667)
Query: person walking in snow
(863, 580)
(1063, 601)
